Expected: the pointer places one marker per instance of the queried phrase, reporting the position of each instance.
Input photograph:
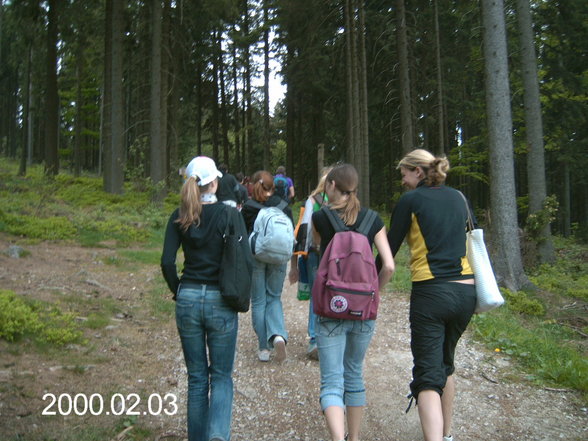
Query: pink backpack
(346, 283)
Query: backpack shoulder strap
(367, 222)
(335, 220)
(283, 204)
(319, 199)
(254, 203)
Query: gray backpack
(272, 239)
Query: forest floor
(138, 352)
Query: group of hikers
(331, 243)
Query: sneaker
(263, 355)
(312, 351)
(280, 347)
(448, 438)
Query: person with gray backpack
(270, 227)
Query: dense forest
(131, 90)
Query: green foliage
(521, 302)
(44, 325)
(541, 346)
(568, 276)
(16, 317)
(537, 221)
(54, 228)
(69, 208)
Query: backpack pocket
(355, 301)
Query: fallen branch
(98, 284)
(553, 389)
(583, 334)
(491, 380)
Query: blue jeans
(342, 346)
(311, 261)
(208, 331)
(267, 313)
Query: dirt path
(138, 353)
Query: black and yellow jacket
(433, 221)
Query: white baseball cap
(203, 168)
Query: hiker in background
(433, 218)
(316, 200)
(228, 187)
(284, 185)
(343, 343)
(209, 348)
(242, 194)
(267, 314)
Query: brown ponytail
(346, 180)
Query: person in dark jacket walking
(206, 325)
(432, 217)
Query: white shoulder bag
(487, 292)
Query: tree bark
(406, 126)
(533, 121)
(157, 126)
(114, 145)
(505, 232)
(440, 148)
(52, 98)
(364, 154)
(266, 77)
(26, 115)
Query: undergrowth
(40, 322)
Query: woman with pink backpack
(343, 342)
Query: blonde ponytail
(435, 168)
(190, 204)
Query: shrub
(520, 301)
(16, 317)
(47, 325)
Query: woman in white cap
(207, 326)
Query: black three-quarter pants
(439, 314)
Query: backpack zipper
(353, 291)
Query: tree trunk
(236, 116)
(406, 126)
(224, 119)
(214, 102)
(79, 106)
(505, 232)
(52, 98)
(26, 114)
(440, 148)
(266, 77)
(248, 144)
(157, 127)
(114, 145)
(364, 154)
(533, 120)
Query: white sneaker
(448, 438)
(264, 355)
(280, 347)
